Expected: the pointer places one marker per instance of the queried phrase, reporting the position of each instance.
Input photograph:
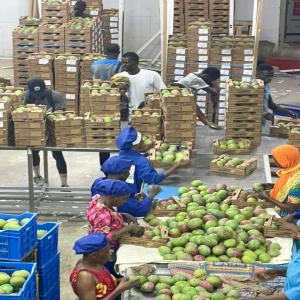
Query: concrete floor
(83, 168)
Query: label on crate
(223, 85)
(72, 69)
(248, 72)
(180, 51)
(70, 96)
(73, 2)
(222, 98)
(203, 58)
(1, 114)
(202, 45)
(179, 72)
(222, 111)
(1, 124)
(225, 66)
(226, 58)
(43, 61)
(115, 36)
(203, 31)
(201, 104)
(94, 12)
(248, 52)
(202, 51)
(180, 58)
(221, 117)
(179, 65)
(224, 72)
(114, 19)
(224, 78)
(48, 82)
(114, 41)
(226, 51)
(71, 62)
(203, 38)
(221, 104)
(248, 66)
(202, 66)
(249, 58)
(177, 77)
(113, 24)
(114, 30)
(1, 105)
(222, 123)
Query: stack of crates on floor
(85, 90)
(195, 10)
(219, 11)
(147, 122)
(30, 125)
(104, 101)
(41, 66)
(55, 13)
(65, 129)
(18, 238)
(243, 58)
(25, 42)
(52, 38)
(178, 19)
(67, 75)
(244, 110)
(86, 63)
(80, 36)
(179, 115)
(221, 57)
(177, 57)
(110, 26)
(48, 262)
(101, 130)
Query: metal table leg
(30, 181)
(46, 170)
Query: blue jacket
(143, 170)
(131, 206)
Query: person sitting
(102, 217)
(38, 94)
(131, 147)
(286, 191)
(80, 9)
(90, 279)
(137, 205)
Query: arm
(59, 101)
(158, 83)
(268, 198)
(86, 286)
(213, 91)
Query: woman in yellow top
(286, 191)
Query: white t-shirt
(193, 81)
(146, 81)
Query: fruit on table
(12, 283)
(212, 229)
(232, 144)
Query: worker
(105, 69)
(141, 81)
(292, 282)
(80, 9)
(38, 94)
(265, 72)
(130, 144)
(103, 218)
(207, 81)
(137, 205)
(90, 279)
(286, 191)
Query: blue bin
(294, 108)
(49, 276)
(28, 291)
(48, 244)
(54, 294)
(16, 244)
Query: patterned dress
(106, 283)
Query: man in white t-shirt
(141, 81)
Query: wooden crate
(294, 137)
(146, 119)
(247, 167)
(281, 132)
(270, 232)
(218, 150)
(184, 145)
(30, 115)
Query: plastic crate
(48, 244)
(16, 244)
(49, 275)
(28, 291)
(54, 294)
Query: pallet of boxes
(244, 110)
(29, 125)
(65, 129)
(67, 70)
(179, 115)
(101, 130)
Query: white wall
(10, 11)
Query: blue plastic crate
(54, 294)
(16, 244)
(48, 244)
(28, 291)
(49, 275)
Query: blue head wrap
(127, 138)
(90, 243)
(110, 187)
(116, 165)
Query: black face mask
(37, 90)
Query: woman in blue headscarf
(90, 279)
(130, 143)
(137, 205)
